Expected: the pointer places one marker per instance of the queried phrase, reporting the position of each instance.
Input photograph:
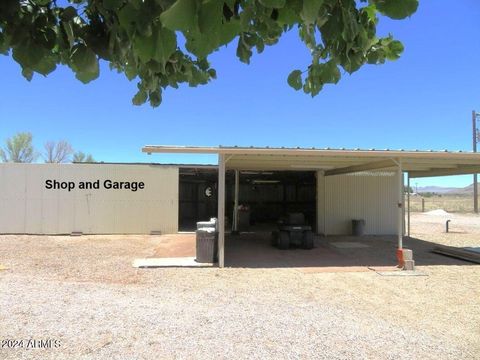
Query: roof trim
(226, 150)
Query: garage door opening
(197, 196)
(265, 197)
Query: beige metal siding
(370, 196)
(26, 206)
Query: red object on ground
(400, 260)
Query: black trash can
(358, 227)
(206, 245)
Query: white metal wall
(26, 206)
(372, 196)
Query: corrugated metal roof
(331, 149)
(225, 148)
(418, 163)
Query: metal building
(28, 207)
(331, 186)
(385, 206)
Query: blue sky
(422, 101)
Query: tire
(283, 241)
(308, 240)
(274, 238)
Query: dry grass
(84, 292)
(450, 203)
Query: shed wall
(372, 196)
(26, 206)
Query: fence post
(423, 205)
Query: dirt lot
(450, 203)
(83, 292)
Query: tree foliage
(144, 38)
(58, 152)
(80, 157)
(19, 149)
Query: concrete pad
(254, 250)
(348, 245)
(169, 262)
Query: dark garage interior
(264, 197)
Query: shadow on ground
(254, 250)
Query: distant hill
(467, 190)
(437, 189)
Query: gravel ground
(83, 292)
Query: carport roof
(418, 163)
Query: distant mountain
(467, 190)
(436, 189)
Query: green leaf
(86, 77)
(287, 16)
(130, 72)
(165, 46)
(330, 73)
(140, 97)
(243, 51)
(295, 79)
(212, 73)
(350, 24)
(45, 66)
(127, 17)
(27, 74)
(159, 46)
(28, 55)
(274, 4)
(394, 50)
(83, 58)
(310, 10)
(85, 63)
(180, 16)
(155, 98)
(4, 44)
(371, 12)
(203, 44)
(229, 31)
(112, 4)
(396, 9)
(210, 16)
(68, 13)
(67, 26)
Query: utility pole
(476, 139)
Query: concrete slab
(254, 250)
(169, 262)
(348, 245)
